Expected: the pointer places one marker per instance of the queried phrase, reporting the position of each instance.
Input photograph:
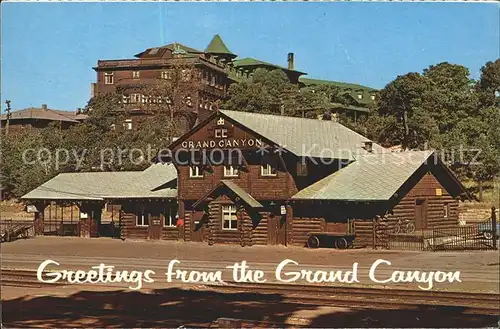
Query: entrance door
(421, 214)
(155, 226)
(276, 230)
(95, 223)
(198, 226)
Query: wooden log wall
(302, 226)
(187, 225)
(426, 189)
(245, 228)
(364, 233)
(170, 233)
(128, 228)
(213, 219)
(259, 232)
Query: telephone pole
(8, 117)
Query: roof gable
(233, 187)
(375, 177)
(205, 136)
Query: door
(420, 214)
(276, 230)
(198, 226)
(155, 226)
(95, 222)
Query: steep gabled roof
(108, 185)
(217, 46)
(372, 177)
(305, 137)
(237, 190)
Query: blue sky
(49, 49)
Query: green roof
(217, 46)
(305, 137)
(248, 61)
(354, 90)
(372, 177)
(149, 183)
(342, 85)
(191, 52)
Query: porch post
(494, 226)
(39, 217)
(289, 224)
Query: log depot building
(254, 179)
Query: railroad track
(376, 298)
(339, 296)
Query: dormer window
(301, 169)
(360, 96)
(268, 170)
(230, 171)
(195, 172)
(372, 97)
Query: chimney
(369, 146)
(290, 61)
(44, 107)
(93, 89)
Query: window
(167, 75)
(268, 170)
(170, 216)
(135, 74)
(185, 75)
(128, 124)
(301, 169)
(446, 210)
(135, 98)
(195, 171)
(142, 218)
(229, 219)
(108, 78)
(360, 96)
(230, 171)
(372, 97)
